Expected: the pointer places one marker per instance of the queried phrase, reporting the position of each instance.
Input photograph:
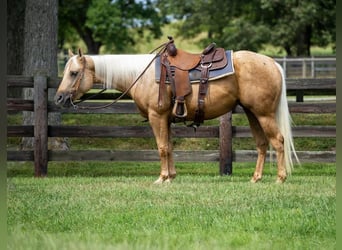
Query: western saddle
(175, 66)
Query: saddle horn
(209, 48)
(171, 47)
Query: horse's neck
(120, 71)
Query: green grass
(116, 206)
(276, 51)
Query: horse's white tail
(284, 122)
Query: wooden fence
(225, 132)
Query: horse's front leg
(162, 132)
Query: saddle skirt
(194, 70)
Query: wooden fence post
(299, 96)
(226, 148)
(40, 126)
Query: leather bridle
(79, 77)
(77, 82)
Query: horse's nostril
(59, 99)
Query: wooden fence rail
(224, 132)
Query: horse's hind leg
(261, 144)
(276, 139)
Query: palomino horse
(258, 85)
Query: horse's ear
(70, 53)
(80, 52)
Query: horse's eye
(73, 73)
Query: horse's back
(254, 63)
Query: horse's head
(78, 78)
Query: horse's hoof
(255, 178)
(281, 179)
(159, 181)
(165, 179)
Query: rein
(77, 83)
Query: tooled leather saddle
(180, 68)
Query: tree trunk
(303, 42)
(15, 41)
(40, 56)
(86, 34)
(92, 46)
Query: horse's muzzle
(62, 99)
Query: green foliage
(122, 25)
(292, 25)
(297, 25)
(71, 19)
(116, 24)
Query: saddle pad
(195, 74)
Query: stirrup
(175, 106)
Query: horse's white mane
(120, 69)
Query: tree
(15, 30)
(40, 54)
(297, 25)
(292, 24)
(15, 43)
(222, 23)
(113, 24)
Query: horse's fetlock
(164, 177)
(172, 176)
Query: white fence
(308, 67)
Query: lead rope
(161, 48)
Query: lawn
(116, 206)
